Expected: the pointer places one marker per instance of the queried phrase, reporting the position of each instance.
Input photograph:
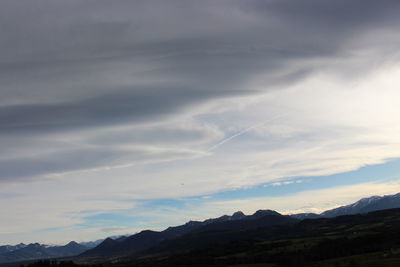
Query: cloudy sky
(118, 116)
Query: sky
(118, 116)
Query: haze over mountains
(148, 239)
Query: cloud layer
(70, 66)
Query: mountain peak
(366, 200)
(108, 242)
(72, 244)
(260, 213)
(238, 215)
(192, 223)
(34, 245)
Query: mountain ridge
(363, 205)
(146, 239)
(239, 219)
(36, 251)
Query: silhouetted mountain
(146, 239)
(8, 248)
(193, 225)
(238, 221)
(191, 234)
(120, 238)
(39, 251)
(370, 239)
(262, 213)
(71, 249)
(31, 251)
(261, 218)
(134, 243)
(104, 248)
(140, 241)
(302, 216)
(353, 240)
(238, 215)
(222, 231)
(92, 244)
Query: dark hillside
(354, 240)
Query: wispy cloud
(287, 182)
(243, 132)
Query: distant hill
(39, 251)
(147, 238)
(91, 244)
(8, 248)
(302, 216)
(370, 239)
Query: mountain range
(364, 205)
(23, 252)
(368, 239)
(148, 239)
(178, 237)
(39, 251)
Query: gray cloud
(84, 159)
(114, 108)
(70, 66)
(162, 135)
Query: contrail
(242, 132)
